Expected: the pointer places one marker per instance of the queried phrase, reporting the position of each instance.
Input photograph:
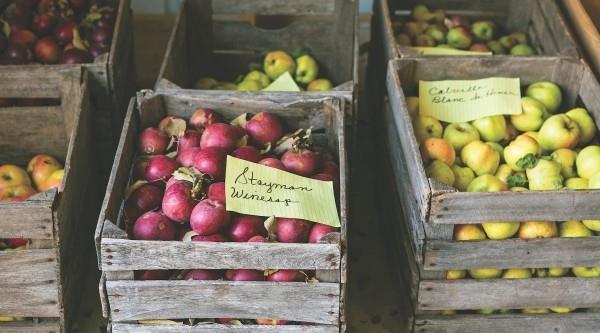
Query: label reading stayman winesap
(459, 101)
(255, 189)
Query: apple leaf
(189, 235)
(297, 53)
(129, 190)
(266, 149)
(172, 154)
(78, 42)
(240, 120)
(243, 141)
(312, 280)
(270, 272)
(517, 181)
(527, 162)
(270, 225)
(175, 127)
(287, 142)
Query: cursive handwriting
(246, 177)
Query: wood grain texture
(28, 219)
(274, 7)
(509, 293)
(30, 327)
(512, 323)
(582, 14)
(137, 300)
(148, 328)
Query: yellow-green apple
(594, 181)
(424, 40)
(463, 176)
(517, 273)
(487, 183)
(547, 93)
(557, 271)
(519, 189)
(533, 115)
(558, 131)
(319, 85)
(54, 181)
(225, 86)
(413, 29)
(205, 83)
(403, 39)
(16, 193)
(540, 272)
(577, 183)
(40, 167)
(537, 229)
(427, 127)
(592, 224)
(522, 153)
(412, 105)
(504, 171)
(467, 232)
(500, 230)
(492, 128)
(484, 30)
(12, 175)
(586, 124)
(438, 149)
(277, 63)
(562, 310)
(573, 229)
(499, 148)
(586, 272)
(441, 172)
(456, 274)
(482, 158)
(307, 69)
(566, 158)
(535, 311)
(486, 312)
(421, 13)
(460, 134)
(249, 85)
(588, 161)
(545, 175)
(534, 135)
(485, 273)
(448, 312)
(259, 76)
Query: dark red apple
(292, 230)
(152, 274)
(190, 139)
(17, 54)
(153, 142)
(144, 199)
(177, 203)
(75, 56)
(257, 239)
(202, 118)
(244, 227)
(43, 24)
(319, 230)
(209, 217)
(160, 167)
(154, 226)
(46, 51)
(102, 35)
(104, 23)
(244, 275)
(286, 275)
(219, 135)
(139, 169)
(186, 157)
(264, 128)
(273, 163)
(98, 49)
(14, 243)
(63, 33)
(248, 153)
(203, 274)
(330, 168)
(216, 191)
(211, 161)
(302, 162)
(25, 37)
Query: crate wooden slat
(150, 328)
(30, 327)
(582, 14)
(542, 20)
(125, 300)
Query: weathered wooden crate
(582, 14)
(127, 301)
(542, 20)
(112, 82)
(43, 282)
(220, 39)
(422, 214)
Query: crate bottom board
(30, 327)
(215, 328)
(509, 323)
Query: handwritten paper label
(427, 51)
(456, 101)
(285, 82)
(255, 189)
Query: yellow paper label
(424, 50)
(456, 101)
(255, 189)
(285, 82)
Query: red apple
(16, 193)
(247, 153)
(286, 275)
(16, 54)
(144, 199)
(153, 142)
(186, 157)
(43, 24)
(25, 37)
(75, 56)
(46, 51)
(318, 231)
(14, 243)
(244, 227)
(190, 139)
(211, 161)
(302, 162)
(160, 167)
(63, 33)
(273, 163)
(152, 274)
(154, 226)
(139, 169)
(257, 239)
(102, 35)
(292, 230)
(244, 275)
(330, 168)
(220, 135)
(202, 118)
(203, 274)
(216, 191)
(264, 128)
(209, 217)
(98, 49)
(177, 203)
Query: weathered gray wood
(30, 327)
(124, 254)
(274, 7)
(512, 323)
(509, 293)
(28, 219)
(29, 283)
(180, 328)
(535, 253)
(311, 302)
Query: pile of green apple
(303, 67)
(434, 28)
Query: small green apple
(484, 30)
(517, 273)
(258, 76)
(320, 85)
(522, 50)
(507, 42)
(487, 183)
(566, 158)
(205, 83)
(496, 47)
(468, 232)
(535, 311)
(562, 310)
(277, 63)
(222, 85)
(463, 176)
(545, 175)
(557, 271)
(421, 13)
(427, 127)
(532, 117)
(249, 85)
(497, 147)
(500, 230)
(522, 153)
(586, 272)
(492, 128)
(437, 32)
(586, 124)
(482, 158)
(486, 312)
(460, 134)
(573, 228)
(534, 135)
(307, 69)
(577, 183)
(441, 172)
(588, 161)
(559, 131)
(412, 105)
(504, 171)
(485, 273)
(546, 92)
(456, 275)
(460, 38)
(592, 224)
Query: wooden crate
(422, 214)
(112, 82)
(127, 301)
(540, 19)
(583, 16)
(44, 280)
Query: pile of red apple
(55, 31)
(16, 184)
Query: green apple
(468, 232)
(594, 181)
(222, 85)
(535, 311)
(586, 124)
(561, 310)
(519, 37)
(534, 135)
(427, 127)
(437, 32)
(460, 37)
(463, 176)
(566, 158)
(412, 105)
(258, 76)
(205, 83)
(573, 228)
(424, 40)
(540, 272)
(504, 171)
(546, 92)
(492, 128)
(500, 230)
(421, 13)
(537, 229)
(532, 117)
(592, 224)
(319, 85)
(249, 85)
(545, 175)
(403, 39)
(517, 273)
(557, 271)
(441, 172)
(277, 63)
(307, 69)
(498, 147)
(482, 158)
(486, 312)
(456, 274)
(507, 42)
(522, 153)
(586, 272)
(522, 50)
(413, 29)
(558, 131)
(588, 161)
(519, 189)
(487, 183)
(460, 134)
(577, 183)
(485, 273)
(496, 47)
(484, 30)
